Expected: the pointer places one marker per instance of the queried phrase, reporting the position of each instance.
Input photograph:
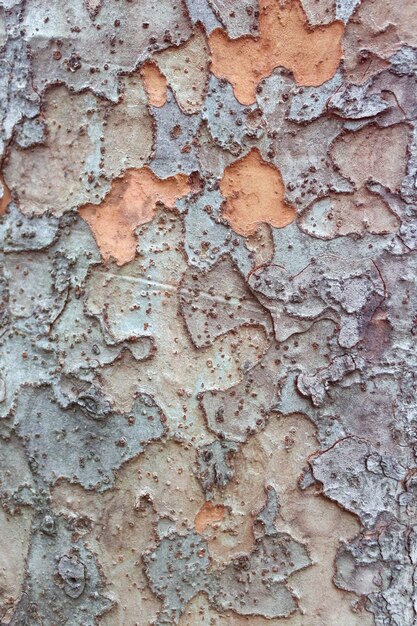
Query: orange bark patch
(155, 84)
(254, 194)
(285, 39)
(130, 202)
(208, 514)
(7, 196)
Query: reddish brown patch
(130, 202)
(7, 196)
(285, 39)
(208, 514)
(377, 337)
(254, 194)
(155, 84)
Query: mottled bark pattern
(208, 312)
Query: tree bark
(208, 312)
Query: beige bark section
(186, 69)
(165, 476)
(254, 193)
(384, 150)
(157, 484)
(319, 12)
(285, 39)
(59, 168)
(118, 528)
(15, 524)
(378, 29)
(177, 372)
(276, 457)
(373, 153)
(176, 387)
(160, 484)
(14, 546)
(342, 214)
(88, 142)
(208, 514)
(127, 128)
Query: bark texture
(208, 312)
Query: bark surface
(208, 312)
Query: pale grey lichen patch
(355, 102)
(207, 236)
(68, 45)
(253, 583)
(327, 288)
(214, 464)
(18, 232)
(404, 62)
(174, 149)
(241, 21)
(19, 99)
(103, 439)
(30, 133)
(266, 516)
(380, 566)
(345, 9)
(233, 126)
(357, 476)
(201, 11)
(64, 584)
(315, 385)
(409, 184)
(177, 569)
(308, 103)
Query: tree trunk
(208, 312)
